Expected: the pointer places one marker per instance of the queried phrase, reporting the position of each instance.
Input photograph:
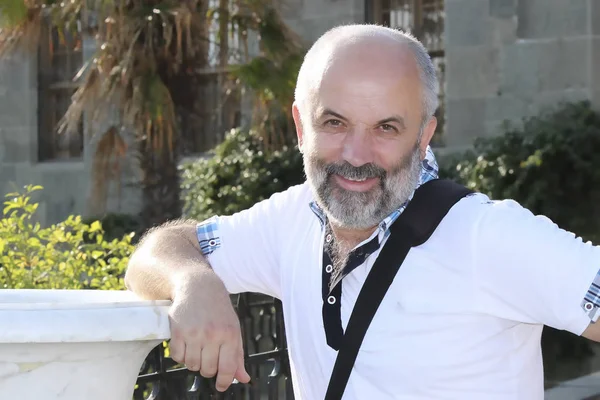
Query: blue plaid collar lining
(429, 171)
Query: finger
(228, 365)
(177, 343)
(177, 350)
(210, 359)
(193, 358)
(241, 374)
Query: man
(464, 316)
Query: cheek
(390, 154)
(325, 146)
(386, 153)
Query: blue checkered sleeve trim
(429, 168)
(591, 301)
(207, 233)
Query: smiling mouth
(356, 185)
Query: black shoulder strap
(429, 205)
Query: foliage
(143, 43)
(148, 71)
(67, 255)
(272, 77)
(550, 165)
(239, 174)
(23, 25)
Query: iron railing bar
(252, 359)
(267, 355)
(263, 331)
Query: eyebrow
(332, 113)
(394, 118)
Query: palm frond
(272, 75)
(124, 73)
(145, 49)
(20, 24)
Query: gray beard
(363, 210)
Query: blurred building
(497, 60)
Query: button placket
(332, 320)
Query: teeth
(357, 180)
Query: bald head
(357, 51)
(365, 98)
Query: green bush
(550, 165)
(67, 255)
(239, 173)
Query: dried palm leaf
(141, 46)
(20, 23)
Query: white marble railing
(76, 344)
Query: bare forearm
(205, 330)
(166, 262)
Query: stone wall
(507, 59)
(311, 18)
(594, 22)
(66, 184)
(18, 143)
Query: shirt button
(331, 300)
(328, 238)
(589, 306)
(212, 243)
(329, 268)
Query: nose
(357, 148)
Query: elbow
(140, 278)
(155, 260)
(138, 264)
(129, 277)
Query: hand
(205, 332)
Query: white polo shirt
(462, 319)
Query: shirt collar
(429, 171)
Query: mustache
(349, 171)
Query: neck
(351, 237)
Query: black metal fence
(261, 318)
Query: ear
(428, 131)
(298, 123)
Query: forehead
(369, 81)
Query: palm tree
(147, 69)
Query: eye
(388, 128)
(335, 123)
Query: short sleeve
(529, 270)
(243, 248)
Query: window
(60, 57)
(425, 20)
